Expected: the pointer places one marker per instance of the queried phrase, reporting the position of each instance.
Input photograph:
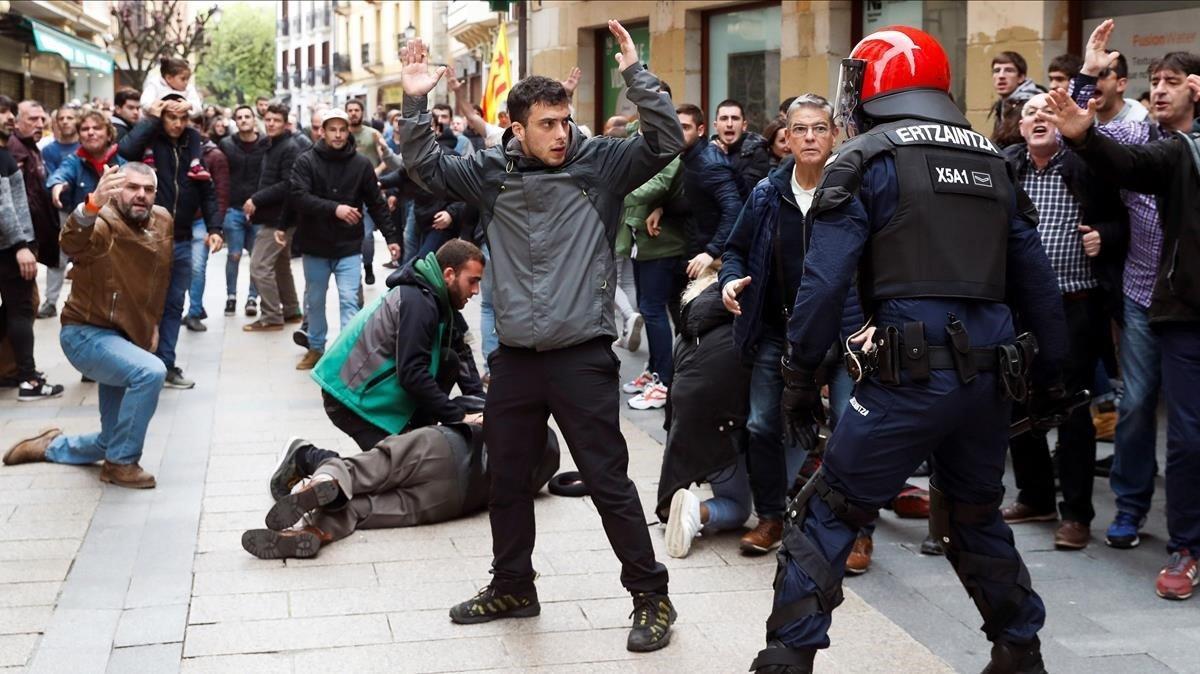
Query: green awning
(78, 53)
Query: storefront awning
(78, 53)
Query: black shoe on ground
(289, 509)
(291, 544)
(490, 605)
(193, 323)
(15, 381)
(369, 275)
(1103, 467)
(652, 616)
(300, 338)
(251, 307)
(38, 389)
(288, 472)
(84, 379)
(932, 546)
(231, 306)
(777, 658)
(47, 310)
(391, 264)
(203, 314)
(1009, 658)
(175, 379)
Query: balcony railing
(282, 26)
(323, 75)
(341, 63)
(370, 55)
(310, 78)
(327, 17)
(281, 81)
(296, 78)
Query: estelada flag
(499, 79)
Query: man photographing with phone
(554, 201)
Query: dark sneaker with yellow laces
(491, 605)
(652, 616)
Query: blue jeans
(368, 245)
(656, 283)
(129, 380)
(168, 327)
(346, 272)
(412, 238)
(729, 508)
(433, 240)
(239, 235)
(1180, 344)
(199, 268)
(487, 315)
(1134, 463)
(772, 465)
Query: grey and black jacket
(551, 230)
(16, 227)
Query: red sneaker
(198, 172)
(1178, 577)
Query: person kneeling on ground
(394, 365)
(122, 246)
(429, 475)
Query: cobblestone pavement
(99, 579)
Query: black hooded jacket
(324, 179)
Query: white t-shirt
(804, 197)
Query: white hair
(811, 100)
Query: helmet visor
(848, 95)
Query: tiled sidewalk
(101, 579)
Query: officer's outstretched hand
(800, 405)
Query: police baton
(1055, 417)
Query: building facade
(763, 52)
(304, 53)
(55, 51)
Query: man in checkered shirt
(1078, 217)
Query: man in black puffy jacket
(328, 187)
(747, 151)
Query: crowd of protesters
(707, 254)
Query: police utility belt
(904, 349)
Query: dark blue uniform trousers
(883, 436)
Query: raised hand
(1095, 57)
(418, 77)
(1193, 82)
(628, 55)
(1072, 121)
(108, 186)
(572, 81)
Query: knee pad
(997, 610)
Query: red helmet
(896, 72)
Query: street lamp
(215, 13)
(410, 32)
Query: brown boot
(309, 361)
(1072, 535)
(128, 475)
(860, 557)
(32, 449)
(259, 326)
(763, 538)
(292, 543)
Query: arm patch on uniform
(958, 174)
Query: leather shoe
(763, 538)
(1072, 535)
(912, 503)
(860, 557)
(1019, 512)
(32, 449)
(128, 475)
(309, 361)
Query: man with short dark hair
(329, 187)
(164, 131)
(18, 268)
(408, 338)
(23, 144)
(369, 143)
(747, 151)
(245, 153)
(554, 201)
(260, 110)
(1061, 69)
(127, 110)
(122, 246)
(1012, 87)
(713, 188)
(1111, 104)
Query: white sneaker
(652, 397)
(632, 339)
(637, 385)
(684, 523)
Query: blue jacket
(838, 237)
(749, 252)
(80, 179)
(711, 184)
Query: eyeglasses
(818, 130)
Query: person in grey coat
(553, 201)
(432, 474)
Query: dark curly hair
(534, 89)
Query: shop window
(741, 50)
(945, 20)
(10, 84)
(48, 92)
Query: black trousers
(1087, 329)
(364, 433)
(16, 317)
(578, 385)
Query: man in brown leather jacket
(122, 246)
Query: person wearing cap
(270, 263)
(329, 187)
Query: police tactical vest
(949, 234)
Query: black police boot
(777, 658)
(1010, 658)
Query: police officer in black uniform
(943, 241)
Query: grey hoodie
(551, 230)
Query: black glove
(1048, 406)
(800, 405)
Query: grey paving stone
(33, 570)
(156, 659)
(218, 608)
(151, 625)
(29, 594)
(25, 619)
(80, 628)
(84, 659)
(53, 548)
(15, 649)
(268, 663)
(265, 636)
